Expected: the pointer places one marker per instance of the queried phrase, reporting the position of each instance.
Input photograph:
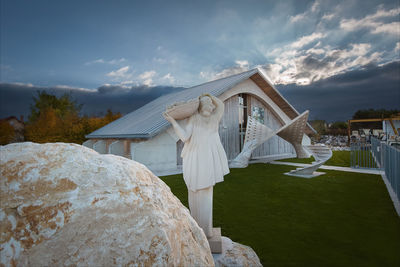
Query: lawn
(339, 158)
(337, 219)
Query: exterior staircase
(257, 133)
(321, 154)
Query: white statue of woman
(204, 158)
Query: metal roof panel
(148, 120)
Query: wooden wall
(275, 145)
(229, 130)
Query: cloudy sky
(331, 57)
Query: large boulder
(65, 204)
(235, 254)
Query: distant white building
(145, 136)
(388, 129)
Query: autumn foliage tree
(62, 106)
(6, 132)
(56, 119)
(51, 118)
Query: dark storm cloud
(15, 99)
(335, 98)
(340, 96)
(118, 90)
(312, 63)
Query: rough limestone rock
(65, 204)
(235, 254)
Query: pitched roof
(148, 121)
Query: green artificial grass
(339, 158)
(337, 219)
(297, 160)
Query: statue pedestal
(215, 241)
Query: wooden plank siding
(277, 98)
(275, 145)
(284, 106)
(229, 130)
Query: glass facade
(258, 114)
(242, 118)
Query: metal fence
(388, 159)
(377, 152)
(391, 163)
(361, 156)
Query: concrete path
(334, 168)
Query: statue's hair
(206, 94)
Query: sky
(329, 57)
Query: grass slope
(337, 219)
(339, 158)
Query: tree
(372, 114)
(338, 128)
(56, 119)
(319, 126)
(53, 119)
(110, 116)
(62, 106)
(91, 124)
(6, 132)
(47, 127)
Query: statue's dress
(204, 158)
(204, 165)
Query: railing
(377, 151)
(361, 156)
(388, 158)
(391, 157)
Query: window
(242, 118)
(258, 114)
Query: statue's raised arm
(219, 107)
(183, 134)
